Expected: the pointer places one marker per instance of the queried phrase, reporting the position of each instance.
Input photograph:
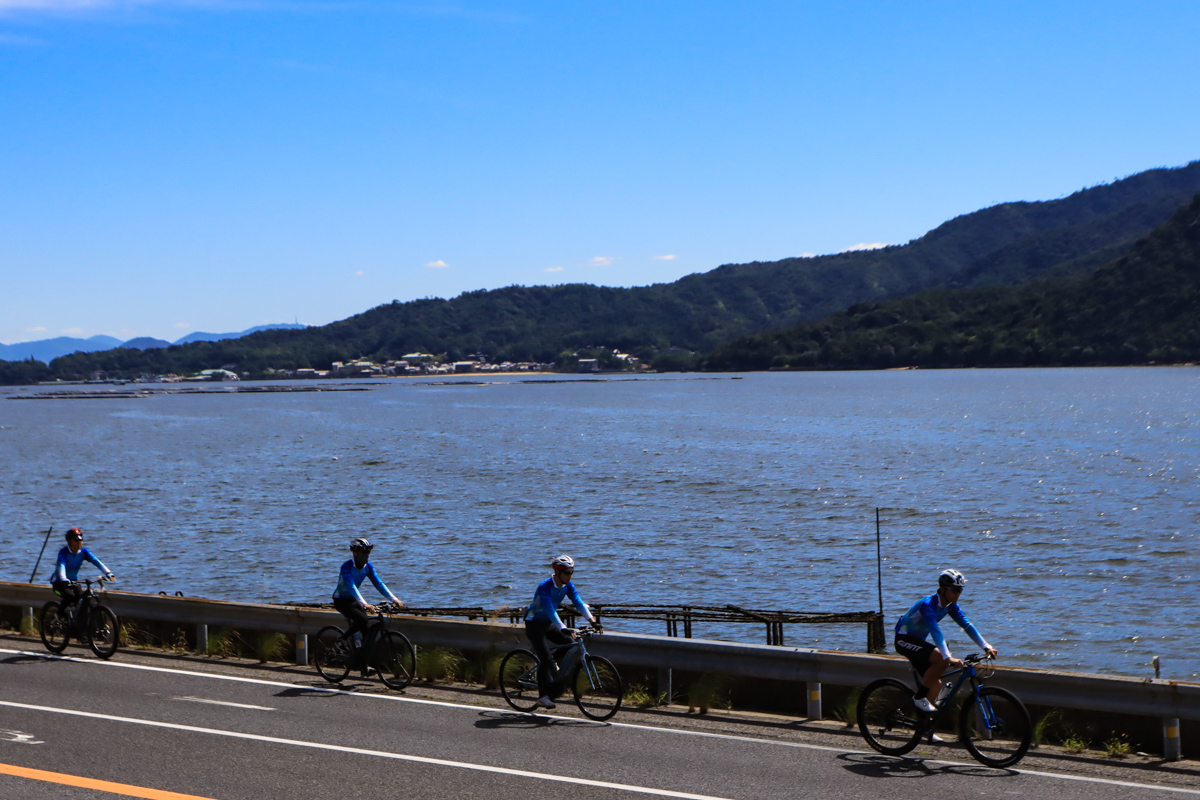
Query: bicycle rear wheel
(518, 680)
(598, 688)
(331, 654)
(995, 729)
(887, 717)
(103, 631)
(395, 659)
(54, 626)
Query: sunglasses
(565, 570)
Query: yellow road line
(123, 789)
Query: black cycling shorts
(916, 650)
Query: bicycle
(993, 723)
(88, 620)
(594, 681)
(389, 652)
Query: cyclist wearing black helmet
(66, 568)
(349, 600)
(921, 621)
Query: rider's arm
(544, 600)
(577, 601)
(929, 616)
(60, 568)
(346, 579)
(961, 619)
(87, 554)
(379, 587)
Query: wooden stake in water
(39, 561)
(879, 560)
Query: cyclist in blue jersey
(921, 621)
(349, 600)
(544, 627)
(66, 569)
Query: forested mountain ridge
(1143, 307)
(1003, 244)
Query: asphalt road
(156, 726)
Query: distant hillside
(1004, 244)
(45, 350)
(1143, 307)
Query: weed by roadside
(708, 691)
(270, 646)
(1042, 727)
(847, 710)
(439, 664)
(638, 695)
(1074, 743)
(1117, 746)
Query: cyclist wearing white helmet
(921, 621)
(544, 627)
(349, 600)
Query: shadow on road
(879, 766)
(512, 719)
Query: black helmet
(361, 544)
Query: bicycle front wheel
(887, 717)
(518, 680)
(995, 727)
(104, 631)
(54, 626)
(598, 688)
(395, 659)
(331, 654)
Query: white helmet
(951, 577)
(563, 561)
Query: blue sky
(175, 166)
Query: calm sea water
(1068, 497)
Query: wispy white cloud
(807, 255)
(359, 273)
(669, 257)
(72, 331)
(554, 269)
(439, 264)
(36, 329)
(864, 246)
(601, 261)
(181, 324)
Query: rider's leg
(932, 678)
(357, 619)
(542, 636)
(69, 593)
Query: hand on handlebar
(111, 576)
(991, 652)
(954, 662)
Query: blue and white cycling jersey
(351, 577)
(545, 603)
(923, 618)
(66, 568)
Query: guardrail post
(814, 700)
(201, 638)
(302, 649)
(27, 629)
(664, 683)
(1171, 743)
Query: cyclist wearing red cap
(66, 568)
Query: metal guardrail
(674, 616)
(1111, 694)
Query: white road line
(224, 703)
(651, 728)
(441, 762)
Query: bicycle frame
(966, 672)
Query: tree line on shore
(1007, 285)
